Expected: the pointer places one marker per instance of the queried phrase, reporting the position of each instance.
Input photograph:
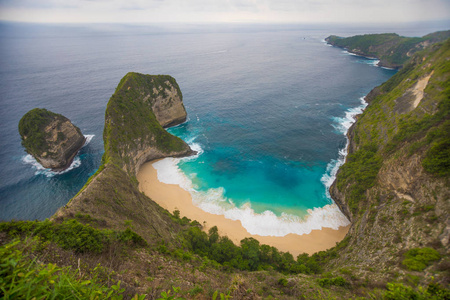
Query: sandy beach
(173, 197)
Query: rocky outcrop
(168, 105)
(135, 116)
(50, 138)
(133, 134)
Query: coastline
(173, 197)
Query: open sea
(268, 108)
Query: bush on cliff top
(417, 259)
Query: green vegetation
(336, 281)
(417, 259)
(249, 256)
(156, 253)
(130, 124)
(22, 277)
(385, 130)
(31, 127)
(437, 158)
(361, 170)
(252, 256)
(398, 291)
(392, 50)
(72, 234)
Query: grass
(23, 277)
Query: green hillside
(111, 241)
(391, 49)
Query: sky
(224, 11)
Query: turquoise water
(271, 133)
(268, 107)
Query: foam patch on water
(342, 125)
(365, 59)
(89, 138)
(265, 224)
(40, 170)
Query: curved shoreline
(173, 197)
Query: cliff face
(50, 138)
(395, 183)
(391, 49)
(134, 120)
(133, 135)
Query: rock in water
(50, 138)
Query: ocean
(268, 108)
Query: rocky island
(50, 138)
(113, 241)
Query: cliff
(395, 183)
(394, 187)
(50, 138)
(391, 49)
(133, 134)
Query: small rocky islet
(50, 138)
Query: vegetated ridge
(394, 187)
(50, 138)
(132, 136)
(391, 49)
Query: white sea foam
(89, 138)
(373, 61)
(265, 224)
(40, 170)
(343, 125)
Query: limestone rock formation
(135, 116)
(133, 134)
(50, 138)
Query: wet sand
(173, 197)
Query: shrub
(398, 291)
(283, 282)
(337, 281)
(23, 278)
(72, 235)
(417, 259)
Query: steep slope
(391, 49)
(132, 136)
(50, 138)
(395, 185)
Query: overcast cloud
(247, 11)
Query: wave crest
(40, 170)
(342, 125)
(267, 223)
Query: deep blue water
(264, 103)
